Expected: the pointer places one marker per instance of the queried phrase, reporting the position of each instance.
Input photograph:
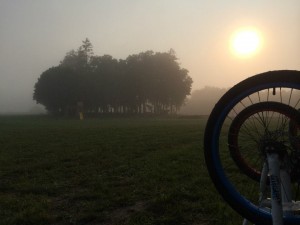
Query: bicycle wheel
(294, 130)
(238, 190)
(256, 124)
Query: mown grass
(120, 171)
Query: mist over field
(36, 35)
(199, 103)
(202, 101)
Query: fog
(36, 35)
(202, 101)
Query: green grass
(106, 171)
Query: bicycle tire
(264, 82)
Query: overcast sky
(36, 34)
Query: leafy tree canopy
(147, 82)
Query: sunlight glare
(246, 42)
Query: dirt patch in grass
(121, 215)
(124, 213)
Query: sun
(246, 42)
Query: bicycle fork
(280, 184)
(276, 168)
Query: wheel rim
(285, 92)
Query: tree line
(147, 82)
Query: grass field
(106, 171)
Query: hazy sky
(36, 34)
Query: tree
(156, 79)
(58, 90)
(105, 82)
(79, 60)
